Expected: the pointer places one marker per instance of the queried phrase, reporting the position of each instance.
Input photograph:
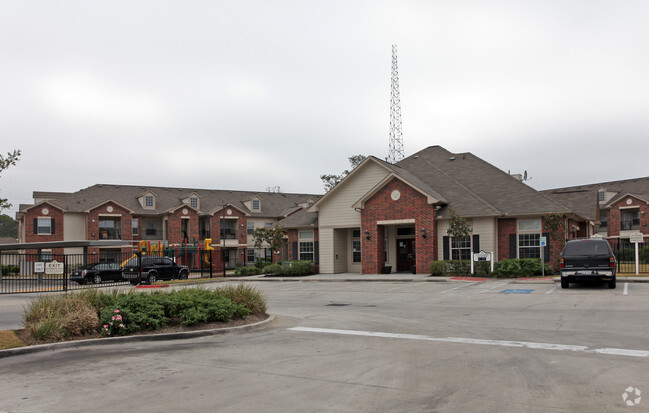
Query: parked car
(150, 269)
(97, 273)
(587, 260)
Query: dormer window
(601, 196)
(193, 202)
(149, 201)
(256, 205)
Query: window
(193, 202)
(601, 196)
(110, 228)
(44, 226)
(306, 251)
(405, 231)
(461, 248)
(306, 245)
(229, 229)
(603, 220)
(529, 245)
(268, 225)
(251, 255)
(151, 228)
(136, 227)
(356, 246)
(630, 219)
(46, 255)
(148, 201)
(255, 205)
(529, 224)
(251, 228)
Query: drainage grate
(336, 305)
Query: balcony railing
(228, 234)
(629, 225)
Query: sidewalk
(408, 277)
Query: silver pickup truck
(587, 260)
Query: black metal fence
(36, 273)
(625, 254)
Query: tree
(458, 227)
(554, 223)
(6, 162)
(8, 226)
(271, 237)
(332, 180)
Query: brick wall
(109, 208)
(174, 225)
(615, 215)
(506, 226)
(410, 205)
(40, 211)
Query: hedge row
(509, 268)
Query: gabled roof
(105, 202)
(300, 219)
(475, 187)
(582, 199)
(640, 197)
(169, 199)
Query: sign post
(636, 238)
(544, 242)
(482, 256)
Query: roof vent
(452, 158)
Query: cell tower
(396, 137)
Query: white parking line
(626, 289)
(501, 343)
(457, 288)
(550, 291)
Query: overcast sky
(253, 94)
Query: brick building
(165, 216)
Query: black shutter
(546, 249)
(52, 228)
(296, 253)
(447, 252)
(512, 246)
(316, 253)
(476, 243)
(35, 225)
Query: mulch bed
(174, 327)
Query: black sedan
(97, 273)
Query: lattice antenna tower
(395, 153)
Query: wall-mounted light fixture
(367, 235)
(423, 232)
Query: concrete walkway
(408, 277)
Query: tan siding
(74, 227)
(340, 250)
(442, 227)
(337, 210)
(326, 236)
(487, 229)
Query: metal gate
(625, 255)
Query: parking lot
(371, 346)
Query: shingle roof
(272, 204)
(582, 199)
(474, 187)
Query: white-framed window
(251, 227)
(135, 224)
(46, 255)
(529, 245)
(193, 202)
(306, 247)
(601, 196)
(110, 228)
(44, 226)
(251, 255)
(151, 228)
(149, 201)
(529, 238)
(356, 246)
(461, 248)
(256, 205)
(268, 225)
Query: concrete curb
(130, 339)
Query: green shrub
(273, 269)
(53, 318)
(530, 266)
(245, 271)
(247, 296)
(10, 269)
(438, 268)
(458, 267)
(482, 268)
(260, 264)
(507, 268)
